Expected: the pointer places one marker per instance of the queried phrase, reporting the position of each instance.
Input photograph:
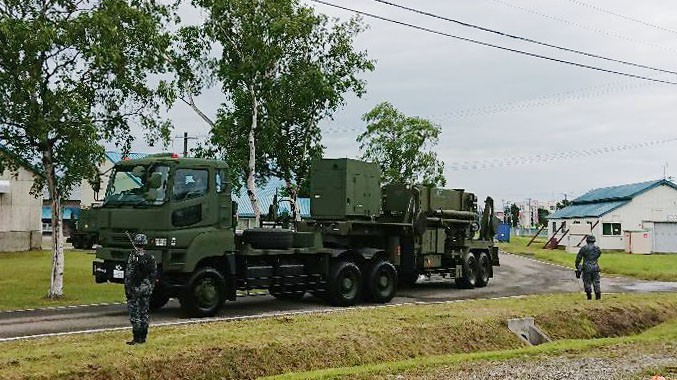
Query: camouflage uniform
(139, 282)
(590, 253)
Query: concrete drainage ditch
(527, 331)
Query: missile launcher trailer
(361, 241)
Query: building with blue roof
(616, 215)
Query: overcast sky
(533, 125)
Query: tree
(401, 146)
(543, 217)
(514, 215)
(562, 204)
(73, 73)
(282, 68)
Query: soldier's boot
(135, 340)
(142, 335)
(589, 295)
(598, 296)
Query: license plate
(118, 273)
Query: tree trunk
(56, 278)
(251, 166)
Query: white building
(20, 228)
(647, 210)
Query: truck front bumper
(108, 271)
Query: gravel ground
(625, 367)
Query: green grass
(350, 338)
(25, 278)
(660, 267)
(658, 340)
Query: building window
(554, 227)
(611, 229)
(577, 222)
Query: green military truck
(85, 234)
(361, 241)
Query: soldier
(590, 253)
(139, 282)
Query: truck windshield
(137, 185)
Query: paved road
(516, 276)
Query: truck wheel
(483, 270)
(204, 294)
(344, 283)
(469, 278)
(268, 238)
(158, 299)
(381, 282)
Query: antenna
(185, 142)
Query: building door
(665, 238)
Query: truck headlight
(161, 242)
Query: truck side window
(190, 183)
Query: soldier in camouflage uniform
(590, 253)
(139, 282)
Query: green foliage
(514, 215)
(562, 204)
(543, 217)
(282, 68)
(73, 73)
(402, 146)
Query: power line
(583, 26)
(510, 106)
(495, 46)
(622, 16)
(539, 158)
(484, 29)
(536, 102)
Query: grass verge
(25, 277)
(660, 267)
(658, 340)
(273, 346)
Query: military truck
(361, 241)
(84, 236)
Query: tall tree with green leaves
(514, 215)
(74, 73)
(282, 68)
(402, 145)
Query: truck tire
(158, 299)
(344, 284)
(204, 294)
(268, 238)
(468, 279)
(483, 270)
(381, 281)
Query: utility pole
(185, 142)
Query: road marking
(49, 308)
(193, 321)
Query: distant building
(19, 210)
(615, 214)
